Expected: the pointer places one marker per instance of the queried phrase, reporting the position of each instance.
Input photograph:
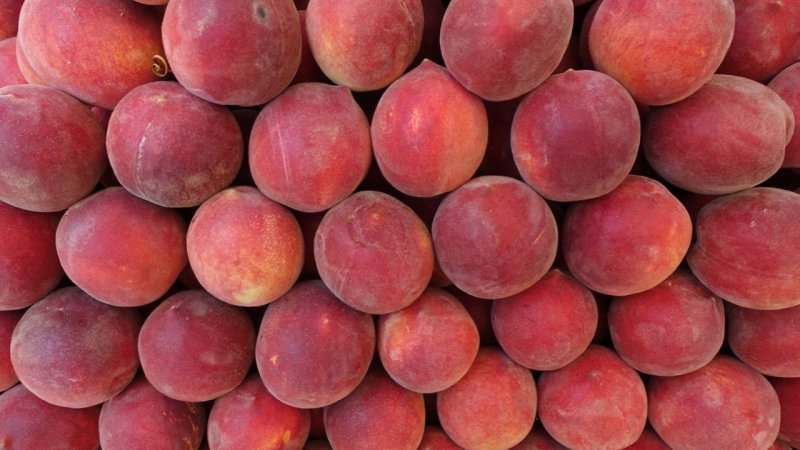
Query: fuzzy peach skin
(628, 240)
(788, 390)
(374, 253)
(429, 345)
(728, 136)
(310, 147)
(503, 49)
(8, 321)
(83, 48)
(787, 84)
(56, 353)
(10, 72)
(548, 325)
(724, 404)
(195, 348)
(250, 417)
(435, 438)
(257, 259)
(29, 266)
(313, 350)
(538, 439)
(596, 401)
(362, 44)
(379, 413)
(237, 52)
(494, 237)
(663, 50)
(120, 249)
(9, 17)
(674, 328)
(768, 341)
(744, 251)
(172, 148)
(429, 133)
(29, 422)
(766, 39)
(141, 417)
(53, 148)
(493, 406)
(576, 136)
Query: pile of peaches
(399, 224)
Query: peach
(361, 44)
(141, 417)
(171, 148)
(596, 401)
(724, 404)
(83, 48)
(53, 148)
(429, 345)
(194, 348)
(120, 249)
(9, 17)
(57, 353)
(425, 208)
(576, 136)
(661, 51)
(548, 325)
(313, 350)
(503, 49)
(744, 251)
(649, 440)
(377, 414)
(260, 256)
(310, 147)
(787, 85)
(788, 390)
(494, 237)
(674, 328)
(374, 253)
(493, 406)
(435, 438)
(728, 136)
(768, 341)
(29, 267)
(249, 417)
(10, 72)
(242, 52)
(480, 310)
(429, 133)
(8, 321)
(766, 39)
(628, 240)
(29, 422)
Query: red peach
(548, 325)
(10, 72)
(9, 17)
(53, 148)
(242, 52)
(310, 147)
(362, 44)
(378, 414)
(661, 51)
(503, 49)
(250, 418)
(260, 256)
(724, 404)
(120, 249)
(788, 390)
(171, 148)
(8, 321)
(768, 341)
(787, 85)
(82, 47)
(29, 266)
(73, 351)
(493, 406)
(494, 237)
(628, 240)
(435, 438)
(429, 133)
